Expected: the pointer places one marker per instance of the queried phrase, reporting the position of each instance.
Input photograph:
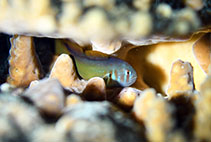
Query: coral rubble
(45, 96)
(105, 19)
(24, 64)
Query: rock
(95, 89)
(98, 121)
(202, 51)
(183, 112)
(195, 4)
(155, 113)
(127, 97)
(153, 63)
(106, 47)
(24, 64)
(65, 72)
(48, 96)
(72, 99)
(17, 119)
(181, 79)
(47, 133)
(105, 19)
(203, 114)
(137, 20)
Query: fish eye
(128, 72)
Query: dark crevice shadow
(184, 118)
(45, 50)
(152, 74)
(4, 54)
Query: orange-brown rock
(24, 64)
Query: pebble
(48, 96)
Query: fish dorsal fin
(83, 51)
(202, 51)
(73, 48)
(95, 54)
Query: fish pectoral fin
(107, 78)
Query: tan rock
(195, 4)
(142, 4)
(96, 19)
(47, 133)
(63, 69)
(95, 89)
(202, 51)
(154, 112)
(127, 97)
(98, 122)
(164, 10)
(203, 113)
(107, 4)
(72, 99)
(153, 63)
(181, 79)
(146, 26)
(18, 115)
(107, 47)
(48, 96)
(24, 64)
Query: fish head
(127, 76)
(122, 75)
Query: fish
(113, 70)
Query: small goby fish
(114, 71)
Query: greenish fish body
(115, 71)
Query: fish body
(115, 71)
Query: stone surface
(203, 112)
(155, 113)
(181, 79)
(111, 19)
(95, 89)
(98, 121)
(48, 96)
(23, 62)
(127, 97)
(64, 70)
(17, 119)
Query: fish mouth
(132, 81)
